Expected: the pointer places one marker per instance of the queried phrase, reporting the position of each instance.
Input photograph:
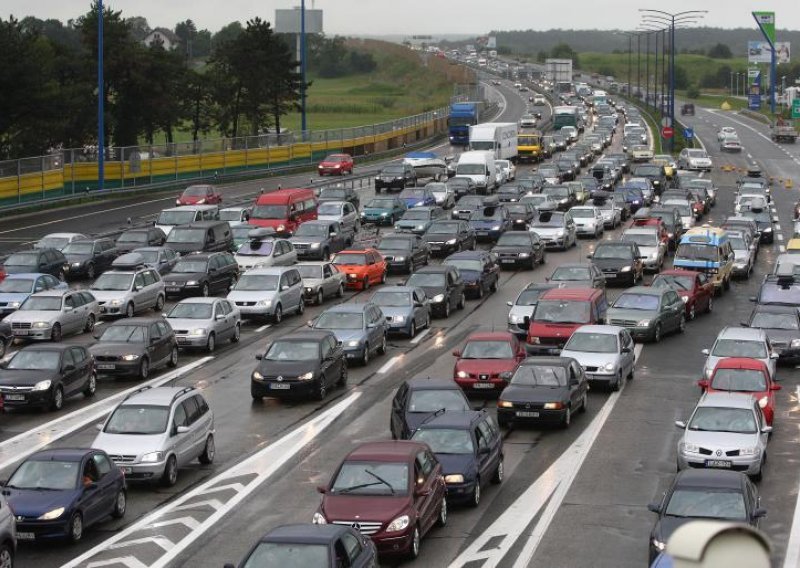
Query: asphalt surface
(570, 498)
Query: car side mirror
(626, 349)
(680, 424)
(137, 287)
(182, 429)
(766, 429)
(285, 287)
(421, 492)
(259, 357)
(69, 368)
(509, 303)
(322, 489)
(654, 507)
(705, 352)
(456, 353)
(773, 356)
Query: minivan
(268, 293)
(203, 236)
(170, 218)
(284, 210)
(559, 313)
(708, 250)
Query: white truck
(558, 70)
(500, 138)
(480, 166)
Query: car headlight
(514, 318)
(689, 448)
(196, 332)
(42, 385)
(50, 515)
(130, 357)
(438, 298)
(553, 405)
(354, 343)
(795, 343)
(506, 375)
(685, 299)
(767, 230)
(41, 324)
(319, 519)
(625, 269)
(384, 214)
(399, 524)
(643, 323)
(505, 404)
(748, 452)
(377, 178)
(76, 264)
(115, 302)
(399, 319)
(397, 227)
(306, 376)
(496, 228)
(258, 376)
(14, 304)
(451, 242)
(201, 201)
(419, 204)
(524, 255)
(609, 367)
(281, 228)
(455, 478)
(420, 227)
(309, 290)
(462, 374)
(315, 245)
(658, 545)
(192, 283)
(400, 258)
(561, 233)
(152, 457)
(264, 303)
(763, 402)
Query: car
(643, 185)
(336, 164)
(466, 205)
(694, 159)
(730, 144)
(490, 221)
(161, 259)
(51, 314)
(648, 312)
(202, 323)
(577, 275)
(44, 375)
(419, 219)
(539, 202)
(135, 347)
(724, 132)
(726, 430)
(133, 239)
(764, 223)
(487, 361)
(747, 225)
(652, 248)
(407, 309)
(563, 195)
(361, 329)
(6, 339)
(58, 240)
(262, 249)
(556, 229)
(394, 491)
(628, 201)
(236, 216)
(654, 173)
(782, 325)
(523, 306)
(83, 488)
(361, 267)
(619, 261)
(744, 250)
(45, 260)
(516, 249)
(605, 352)
(694, 288)
(469, 446)
(268, 293)
(443, 285)
(703, 495)
(544, 390)
(399, 175)
(509, 168)
(122, 292)
(155, 431)
(447, 236)
(306, 544)
(511, 193)
(640, 153)
(480, 271)
(404, 252)
(687, 109)
(749, 377)
(671, 219)
(241, 234)
(317, 240)
(740, 342)
(539, 100)
(588, 221)
(521, 215)
(202, 274)
(417, 400)
(461, 186)
(418, 197)
(339, 195)
(383, 210)
(199, 195)
(610, 210)
(320, 280)
(342, 211)
(299, 364)
(445, 197)
(684, 209)
(16, 288)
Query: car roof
(546, 362)
(407, 289)
(678, 272)
(48, 346)
(741, 363)
(603, 329)
(276, 270)
(354, 308)
(582, 294)
(434, 269)
(390, 451)
(775, 309)
(200, 300)
(462, 420)
(468, 255)
(61, 454)
(54, 292)
(720, 399)
(750, 333)
(431, 383)
(647, 290)
(361, 251)
(306, 533)
(717, 478)
(158, 396)
(22, 275)
(490, 336)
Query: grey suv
(155, 431)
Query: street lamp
(302, 68)
(101, 135)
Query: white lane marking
(749, 157)
(389, 364)
(420, 336)
(22, 445)
(782, 249)
(780, 238)
(263, 328)
(257, 468)
(777, 225)
(101, 322)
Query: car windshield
(426, 279)
(758, 216)
(697, 154)
(381, 204)
(311, 229)
(774, 321)
(253, 247)
(535, 200)
(581, 213)
(433, 400)
(288, 554)
(549, 172)
(190, 266)
(340, 320)
(42, 303)
(179, 235)
(471, 169)
(743, 380)
(446, 440)
(22, 259)
(515, 209)
(529, 297)
(351, 259)
(175, 217)
(330, 208)
(392, 299)
(571, 273)
(270, 212)
(443, 229)
(515, 240)
(622, 252)
(371, 478)
(487, 350)
(592, 342)
(122, 333)
(739, 348)
(737, 243)
(257, 283)
(562, 311)
(191, 310)
(196, 191)
(412, 193)
(111, 281)
(309, 270)
(706, 504)
(644, 171)
(719, 419)
(135, 419)
(464, 264)
(78, 248)
(688, 251)
(631, 301)
(31, 359)
(43, 475)
(680, 283)
(52, 242)
(132, 237)
(393, 170)
(292, 351)
(16, 285)
(540, 376)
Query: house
(163, 36)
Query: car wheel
(413, 549)
(320, 297)
(365, 283)
(382, 347)
(91, 385)
(237, 333)
(567, 420)
(692, 311)
(322, 390)
(657, 333)
(447, 307)
(343, 376)
(170, 475)
(57, 402)
(129, 310)
(120, 504)
(90, 273)
(204, 290)
(682, 324)
(726, 283)
(326, 255)
(55, 333)
(75, 528)
(256, 397)
(89, 327)
(159, 303)
(211, 343)
(480, 290)
(383, 275)
(144, 369)
(6, 556)
(475, 498)
(412, 331)
(584, 403)
(277, 317)
(301, 307)
(210, 449)
(340, 291)
(365, 356)
(173, 358)
(499, 473)
(710, 306)
(441, 520)
(462, 301)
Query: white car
(730, 144)
(726, 131)
(58, 240)
(653, 249)
(747, 342)
(588, 221)
(235, 216)
(342, 211)
(509, 168)
(694, 159)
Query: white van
(480, 167)
(185, 214)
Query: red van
(559, 313)
(284, 210)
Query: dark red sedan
(747, 376)
(488, 361)
(336, 164)
(199, 195)
(694, 288)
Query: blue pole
(671, 110)
(773, 81)
(101, 142)
(303, 66)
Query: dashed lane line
(420, 336)
(389, 364)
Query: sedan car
(51, 314)
(360, 329)
(139, 238)
(419, 219)
(418, 399)
(447, 236)
(48, 261)
(199, 195)
(487, 361)
(407, 309)
(782, 325)
(204, 322)
(694, 159)
(443, 285)
(516, 249)
(82, 488)
(134, 347)
(383, 210)
(694, 288)
(619, 261)
(89, 257)
(588, 221)
(16, 288)
(479, 271)
(577, 275)
(58, 240)
(749, 377)
(648, 312)
(604, 351)
(320, 280)
(336, 164)
(417, 197)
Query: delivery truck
(500, 138)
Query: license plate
(435, 247)
(483, 386)
(14, 397)
(718, 463)
(182, 341)
(26, 536)
(127, 470)
(527, 414)
(280, 386)
(173, 289)
(106, 367)
(22, 332)
(507, 260)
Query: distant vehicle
(58, 240)
(199, 195)
(782, 132)
(336, 164)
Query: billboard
(491, 42)
(766, 22)
(761, 52)
(288, 21)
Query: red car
(694, 288)
(747, 376)
(2, 272)
(393, 492)
(336, 164)
(199, 195)
(361, 268)
(488, 361)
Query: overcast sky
(377, 17)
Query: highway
(575, 497)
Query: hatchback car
(156, 431)
(489, 222)
(443, 285)
(139, 238)
(466, 205)
(269, 293)
(694, 288)
(740, 342)
(605, 352)
(487, 361)
(336, 164)
(447, 236)
(407, 309)
(87, 258)
(263, 249)
(343, 212)
(521, 215)
(651, 248)
(395, 176)
(588, 221)
(51, 314)
(557, 229)
(782, 324)
(16, 288)
(202, 274)
(204, 322)
(320, 280)
(404, 252)
(577, 275)
(749, 377)
(134, 347)
(123, 292)
(445, 197)
(383, 210)
(362, 267)
(419, 219)
(648, 312)
(417, 197)
(319, 239)
(236, 216)
(619, 261)
(479, 271)
(199, 195)
(360, 329)
(417, 400)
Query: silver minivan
(204, 322)
(127, 292)
(51, 314)
(269, 292)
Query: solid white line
(420, 336)
(263, 328)
(780, 238)
(263, 464)
(101, 322)
(781, 248)
(389, 364)
(22, 445)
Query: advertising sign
(761, 52)
(766, 21)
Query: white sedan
(725, 132)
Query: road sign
(754, 101)
(666, 122)
(796, 108)
(688, 133)
(667, 132)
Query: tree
(564, 51)
(541, 57)
(187, 32)
(681, 78)
(197, 102)
(139, 27)
(226, 34)
(720, 51)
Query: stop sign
(667, 132)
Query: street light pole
(638, 66)
(101, 127)
(303, 124)
(647, 69)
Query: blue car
(16, 288)
(490, 222)
(634, 197)
(417, 197)
(59, 493)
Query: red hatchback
(488, 361)
(393, 492)
(199, 195)
(746, 376)
(336, 164)
(694, 288)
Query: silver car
(726, 431)
(203, 322)
(604, 351)
(653, 249)
(127, 292)
(236, 216)
(265, 251)
(744, 250)
(612, 214)
(407, 308)
(321, 280)
(155, 431)
(51, 314)
(58, 240)
(342, 211)
(268, 293)
(588, 221)
(752, 343)
(445, 196)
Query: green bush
(692, 92)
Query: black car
(299, 364)
(622, 204)
(519, 249)
(329, 546)
(672, 221)
(566, 168)
(202, 274)
(577, 275)
(604, 176)
(48, 260)
(43, 375)
(461, 186)
(479, 269)
(469, 446)
(88, 257)
(134, 347)
(656, 174)
(704, 494)
(623, 159)
(348, 194)
(533, 182)
(619, 261)
(466, 205)
(521, 214)
(590, 183)
(395, 176)
(443, 285)
(763, 219)
(137, 238)
(511, 192)
(544, 390)
(418, 399)
(445, 237)
(6, 337)
(782, 326)
(404, 252)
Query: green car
(383, 210)
(648, 313)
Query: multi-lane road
(570, 498)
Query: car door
(196, 430)
(70, 316)
(77, 379)
(574, 384)
(107, 483)
(216, 275)
(424, 498)
(420, 308)
(670, 309)
(158, 342)
(223, 321)
(397, 419)
(486, 449)
(181, 441)
(92, 499)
